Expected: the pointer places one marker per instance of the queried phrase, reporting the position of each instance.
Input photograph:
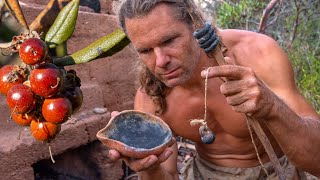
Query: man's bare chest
(220, 118)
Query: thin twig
(295, 26)
(46, 18)
(266, 14)
(51, 156)
(276, 16)
(14, 7)
(5, 45)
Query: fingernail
(168, 153)
(203, 73)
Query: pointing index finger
(231, 72)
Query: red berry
(56, 110)
(22, 119)
(5, 85)
(46, 80)
(76, 98)
(44, 131)
(33, 51)
(20, 98)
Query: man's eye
(168, 41)
(144, 51)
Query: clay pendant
(207, 136)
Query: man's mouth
(170, 74)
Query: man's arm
(298, 136)
(168, 169)
(264, 87)
(292, 120)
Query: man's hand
(147, 163)
(244, 91)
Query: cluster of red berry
(40, 94)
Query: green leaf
(64, 25)
(103, 47)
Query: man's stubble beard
(184, 77)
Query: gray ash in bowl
(132, 130)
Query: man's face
(165, 45)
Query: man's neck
(196, 82)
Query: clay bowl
(136, 134)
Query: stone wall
(107, 83)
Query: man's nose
(162, 59)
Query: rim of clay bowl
(130, 151)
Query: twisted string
(256, 149)
(203, 121)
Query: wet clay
(134, 131)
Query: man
(260, 83)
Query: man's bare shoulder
(250, 47)
(237, 36)
(255, 50)
(143, 102)
(261, 53)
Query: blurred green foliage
(295, 25)
(234, 15)
(307, 72)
